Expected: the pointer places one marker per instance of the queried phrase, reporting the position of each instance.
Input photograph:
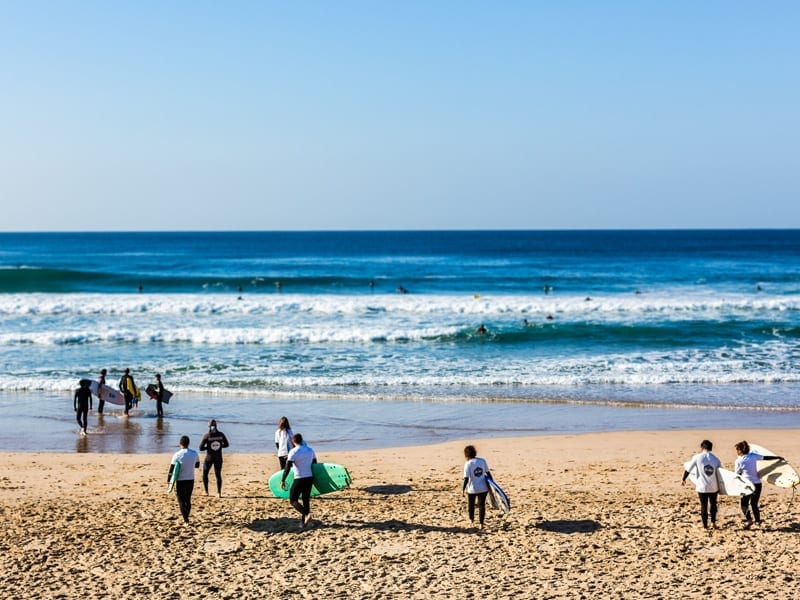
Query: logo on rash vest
(478, 471)
(215, 445)
(708, 469)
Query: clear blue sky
(399, 115)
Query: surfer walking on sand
(187, 460)
(283, 440)
(82, 402)
(128, 388)
(703, 467)
(475, 486)
(212, 443)
(299, 460)
(747, 466)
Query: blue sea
(388, 338)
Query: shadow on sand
(586, 526)
(292, 525)
(387, 490)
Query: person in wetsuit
(160, 397)
(128, 388)
(213, 442)
(300, 459)
(187, 460)
(82, 402)
(746, 466)
(475, 487)
(101, 382)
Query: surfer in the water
(300, 459)
(188, 460)
(102, 381)
(283, 440)
(747, 466)
(213, 442)
(128, 388)
(704, 465)
(475, 487)
(82, 402)
(160, 397)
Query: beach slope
(595, 514)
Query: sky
(193, 115)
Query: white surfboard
(106, 393)
(730, 484)
(776, 472)
(497, 497)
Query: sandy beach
(593, 515)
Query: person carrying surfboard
(160, 399)
(299, 460)
(100, 383)
(283, 440)
(475, 486)
(746, 466)
(128, 388)
(187, 460)
(703, 469)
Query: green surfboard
(176, 471)
(328, 477)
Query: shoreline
(592, 513)
(46, 422)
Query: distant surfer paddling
(475, 486)
(128, 388)
(212, 443)
(703, 468)
(300, 459)
(82, 402)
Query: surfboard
(730, 484)
(328, 477)
(106, 393)
(176, 471)
(776, 472)
(497, 497)
(152, 391)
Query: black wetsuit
(213, 443)
(100, 402)
(82, 402)
(160, 398)
(127, 390)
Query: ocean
(388, 338)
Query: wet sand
(592, 514)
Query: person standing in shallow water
(187, 460)
(101, 382)
(128, 388)
(704, 466)
(82, 402)
(475, 486)
(160, 396)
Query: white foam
(662, 306)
